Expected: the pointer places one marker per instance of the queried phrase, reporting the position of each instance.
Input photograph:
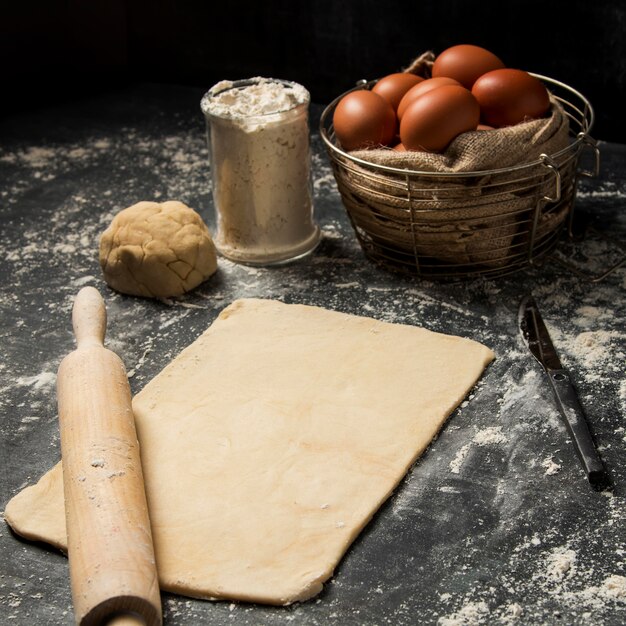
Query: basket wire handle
(551, 164)
(588, 142)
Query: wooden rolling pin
(111, 555)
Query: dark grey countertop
(495, 524)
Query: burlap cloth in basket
(458, 219)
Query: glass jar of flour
(258, 137)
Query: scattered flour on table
(519, 394)
(512, 613)
(607, 190)
(551, 466)
(561, 563)
(558, 575)
(595, 597)
(36, 156)
(38, 381)
(471, 613)
(448, 489)
(593, 346)
(457, 461)
(490, 435)
(325, 181)
(484, 437)
(30, 418)
(594, 353)
(142, 359)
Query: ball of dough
(157, 250)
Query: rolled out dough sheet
(270, 442)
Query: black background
(62, 49)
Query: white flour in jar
(260, 162)
(263, 97)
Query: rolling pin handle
(89, 318)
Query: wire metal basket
(443, 225)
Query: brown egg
(421, 88)
(399, 148)
(465, 63)
(363, 119)
(507, 97)
(484, 127)
(394, 86)
(433, 120)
